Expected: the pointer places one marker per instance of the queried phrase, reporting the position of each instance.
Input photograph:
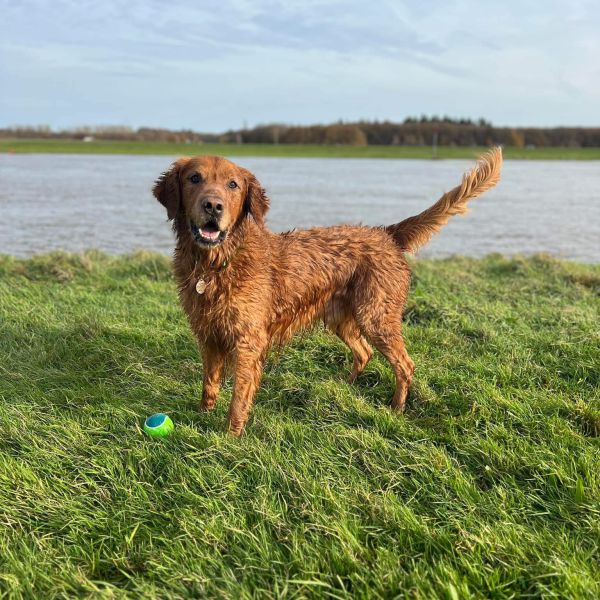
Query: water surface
(74, 202)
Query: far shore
(285, 150)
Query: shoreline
(144, 254)
(33, 146)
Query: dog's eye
(232, 184)
(195, 178)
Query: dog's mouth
(208, 234)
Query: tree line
(413, 131)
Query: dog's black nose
(213, 207)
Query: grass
(488, 486)
(285, 150)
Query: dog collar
(202, 283)
(210, 267)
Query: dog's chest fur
(234, 299)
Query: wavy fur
(414, 232)
(259, 287)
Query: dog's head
(209, 196)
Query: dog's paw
(206, 405)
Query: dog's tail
(414, 232)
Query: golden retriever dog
(244, 288)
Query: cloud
(221, 62)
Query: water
(73, 202)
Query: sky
(221, 64)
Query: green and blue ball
(158, 425)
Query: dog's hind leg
(380, 322)
(379, 297)
(339, 320)
(362, 352)
(394, 350)
(387, 338)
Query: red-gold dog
(245, 288)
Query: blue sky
(217, 64)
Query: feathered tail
(414, 232)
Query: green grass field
(487, 487)
(295, 150)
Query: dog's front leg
(213, 362)
(247, 375)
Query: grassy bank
(101, 147)
(488, 486)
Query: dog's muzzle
(208, 234)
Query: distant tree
(347, 135)
(412, 131)
(517, 138)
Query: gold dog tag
(201, 286)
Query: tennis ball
(158, 425)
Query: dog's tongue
(209, 233)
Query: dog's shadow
(91, 364)
(308, 383)
(95, 367)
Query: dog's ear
(256, 202)
(167, 189)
